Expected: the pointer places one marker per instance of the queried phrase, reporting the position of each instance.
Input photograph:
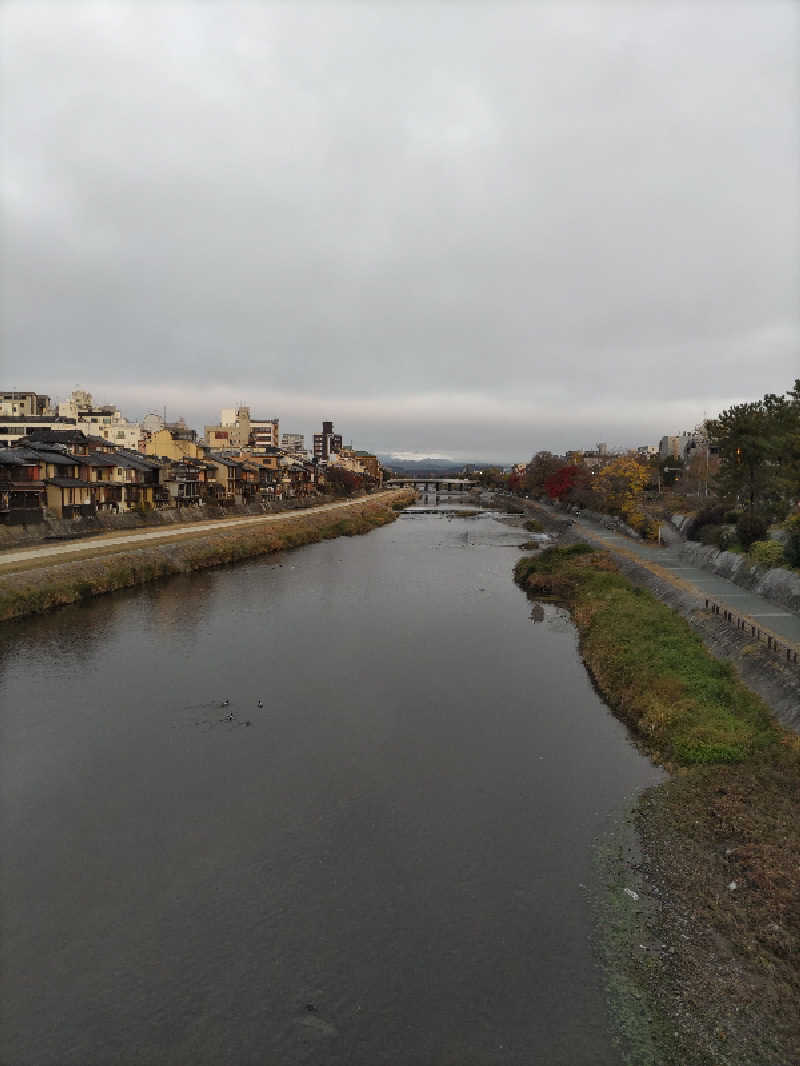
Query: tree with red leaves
(562, 482)
(342, 482)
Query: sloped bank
(72, 582)
(700, 920)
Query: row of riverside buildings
(77, 459)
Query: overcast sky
(475, 230)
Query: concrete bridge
(433, 484)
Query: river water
(383, 865)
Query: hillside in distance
(430, 466)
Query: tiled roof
(97, 459)
(18, 456)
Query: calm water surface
(383, 867)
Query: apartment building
(327, 443)
(294, 443)
(103, 420)
(24, 404)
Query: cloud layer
(475, 229)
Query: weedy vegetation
(649, 664)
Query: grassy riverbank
(709, 954)
(48, 586)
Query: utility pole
(707, 451)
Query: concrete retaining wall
(39, 532)
(777, 584)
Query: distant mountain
(402, 465)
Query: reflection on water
(383, 866)
(537, 612)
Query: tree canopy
(759, 449)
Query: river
(384, 864)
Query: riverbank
(105, 522)
(40, 586)
(700, 927)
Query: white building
(294, 443)
(152, 423)
(101, 421)
(13, 427)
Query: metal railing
(747, 625)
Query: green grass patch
(650, 666)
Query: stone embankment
(777, 584)
(108, 522)
(103, 568)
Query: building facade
(327, 443)
(24, 404)
(104, 420)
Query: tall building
(263, 434)
(669, 447)
(327, 443)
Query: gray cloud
(466, 228)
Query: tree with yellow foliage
(620, 488)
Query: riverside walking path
(20, 558)
(772, 619)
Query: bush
(767, 553)
(711, 535)
(715, 515)
(750, 528)
(791, 549)
(727, 539)
(533, 526)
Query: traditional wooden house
(22, 490)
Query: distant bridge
(432, 484)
